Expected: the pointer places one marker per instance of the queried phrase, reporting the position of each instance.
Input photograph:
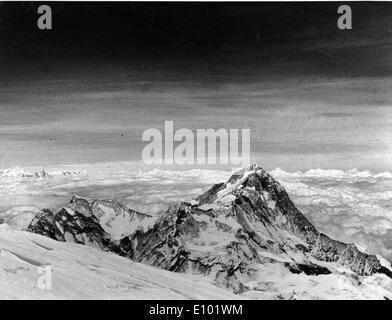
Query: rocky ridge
(229, 233)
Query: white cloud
(352, 206)
(150, 191)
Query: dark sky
(206, 38)
(313, 96)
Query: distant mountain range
(17, 172)
(246, 235)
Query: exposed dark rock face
(75, 227)
(82, 222)
(232, 230)
(320, 246)
(309, 269)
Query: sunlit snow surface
(352, 206)
(81, 272)
(22, 193)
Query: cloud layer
(23, 192)
(352, 206)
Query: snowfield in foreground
(243, 236)
(81, 272)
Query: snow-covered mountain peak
(16, 171)
(252, 181)
(118, 220)
(81, 215)
(231, 233)
(19, 172)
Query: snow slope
(118, 220)
(81, 272)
